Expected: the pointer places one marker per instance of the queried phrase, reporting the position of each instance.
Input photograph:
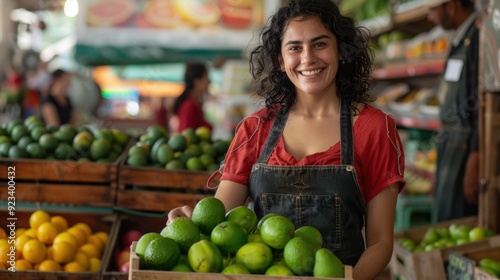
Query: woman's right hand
(183, 211)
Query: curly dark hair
(354, 77)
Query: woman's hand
(183, 211)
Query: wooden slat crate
(477, 254)
(430, 264)
(62, 182)
(157, 189)
(136, 274)
(143, 223)
(104, 221)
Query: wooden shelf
(412, 69)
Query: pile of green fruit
(236, 242)
(491, 266)
(442, 237)
(32, 139)
(192, 149)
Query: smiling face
(309, 55)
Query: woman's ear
(282, 64)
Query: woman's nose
(308, 55)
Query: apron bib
(326, 197)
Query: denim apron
(327, 197)
(452, 141)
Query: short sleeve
(381, 154)
(245, 148)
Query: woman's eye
(320, 44)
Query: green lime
(208, 213)
(162, 254)
(183, 231)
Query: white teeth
(309, 73)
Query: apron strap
(274, 135)
(346, 135)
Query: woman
(188, 106)
(56, 108)
(318, 153)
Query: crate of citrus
(55, 245)
(165, 171)
(422, 252)
(46, 161)
(220, 243)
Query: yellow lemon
(66, 237)
(79, 234)
(90, 250)
(4, 251)
(74, 267)
(3, 234)
(83, 259)
(23, 265)
(46, 232)
(49, 265)
(31, 232)
(20, 231)
(85, 227)
(94, 239)
(34, 251)
(37, 218)
(4, 242)
(50, 253)
(104, 236)
(95, 264)
(20, 241)
(63, 252)
(60, 222)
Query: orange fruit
(49, 265)
(95, 264)
(85, 227)
(23, 265)
(79, 234)
(4, 251)
(94, 239)
(74, 267)
(46, 232)
(20, 241)
(37, 218)
(83, 259)
(90, 250)
(31, 232)
(66, 237)
(63, 252)
(20, 231)
(34, 251)
(104, 236)
(60, 222)
(50, 253)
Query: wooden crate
(98, 221)
(475, 255)
(62, 182)
(157, 189)
(136, 274)
(430, 264)
(126, 221)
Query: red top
(191, 115)
(378, 152)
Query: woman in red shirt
(188, 106)
(318, 153)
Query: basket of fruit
(165, 171)
(46, 161)
(55, 244)
(213, 244)
(422, 252)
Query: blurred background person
(188, 107)
(56, 108)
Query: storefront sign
(460, 267)
(149, 31)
